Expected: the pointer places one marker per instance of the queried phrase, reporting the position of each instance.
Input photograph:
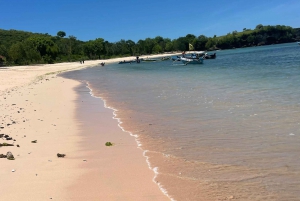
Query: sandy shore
(61, 117)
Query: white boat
(190, 60)
(195, 58)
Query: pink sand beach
(45, 115)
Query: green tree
(131, 45)
(45, 46)
(99, 47)
(190, 38)
(17, 53)
(3, 51)
(169, 46)
(259, 26)
(61, 34)
(32, 54)
(210, 43)
(199, 42)
(156, 49)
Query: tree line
(22, 48)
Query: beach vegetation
(21, 48)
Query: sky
(135, 20)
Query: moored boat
(177, 58)
(148, 60)
(165, 58)
(210, 56)
(126, 62)
(196, 60)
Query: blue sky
(114, 20)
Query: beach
(227, 129)
(45, 115)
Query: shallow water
(227, 129)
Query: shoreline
(37, 173)
(154, 169)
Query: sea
(227, 129)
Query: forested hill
(20, 47)
(9, 37)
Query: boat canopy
(200, 52)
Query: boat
(126, 62)
(165, 58)
(194, 58)
(189, 60)
(178, 58)
(148, 59)
(210, 56)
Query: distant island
(23, 48)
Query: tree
(44, 46)
(169, 46)
(32, 54)
(130, 45)
(190, 37)
(99, 47)
(210, 43)
(259, 26)
(61, 34)
(199, 43)
(3, 51)
(16, 53)
(157, 49)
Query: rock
(2, 156)
(61, 155)
(10, 156)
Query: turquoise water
(227, 129)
